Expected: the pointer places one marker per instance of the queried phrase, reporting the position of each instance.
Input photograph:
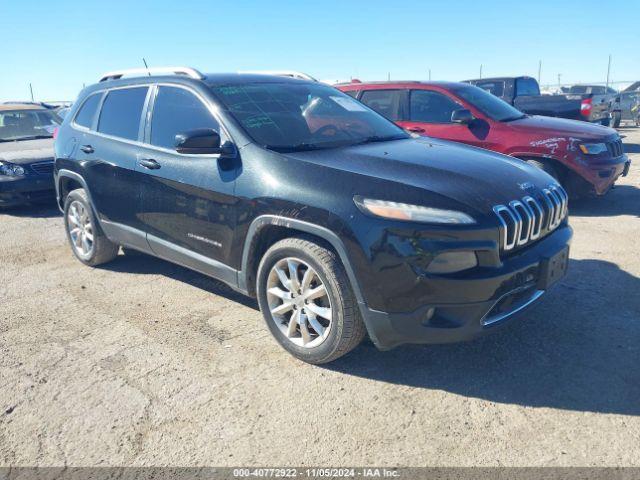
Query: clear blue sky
(60, 44)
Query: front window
(495, 88)
(491, 106)
(303, 116)
(16, 125)
(176, 111)
(431, 107)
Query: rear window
(527, 87)
(88, 110)
(385, 102)
(122, 111)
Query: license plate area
(553, 269)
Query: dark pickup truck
(524, 94)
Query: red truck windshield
(490, 105)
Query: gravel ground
(145, 363)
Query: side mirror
(461, 116)
(201, 141)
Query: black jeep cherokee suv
(338, 221)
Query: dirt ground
(145, 363)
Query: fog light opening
(428, 316)
(451, 262)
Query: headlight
(11, 170)
(593, 148)
(411, 213)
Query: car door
(187, 202)
(430, 114)
(108, 154)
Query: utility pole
(608, 70)
(429, 74)
(480, 70)
(31, 90)
(388, 76)
(559, 84)
(539, 70)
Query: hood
(472, 176)
(559, 127)
(27, 151)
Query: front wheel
(546, 166)
(307, 302)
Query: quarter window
(122, 111)
(385, 102)
(175, 111)
(431, 107)
(88, 110)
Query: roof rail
(188, 71)
(282, 73)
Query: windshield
(18, 125)
(490, 105)
(296, 117)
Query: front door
(187, 203)
(430, 114)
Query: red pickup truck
(585, 158)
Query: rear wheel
(307, 302)
(88, 242)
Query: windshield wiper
(380, 138)
(511, 119)
(300, 147)
(33, 137)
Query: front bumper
(27, 189)
(489, 297)
(602, 176)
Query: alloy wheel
(299, 302)
(80, 229)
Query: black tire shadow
(579, 349)
(142, 264)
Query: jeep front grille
(527, 219)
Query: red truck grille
(615, 148)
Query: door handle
(87, 149)
(415, 129)
(150, 163)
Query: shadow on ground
(631, 148)
(579, 349)
(41, 210)
(142, 264)
(622, 200)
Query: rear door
(390, 103)
(108, 152)
(187, 203)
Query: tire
(89, 243)
(325, 340)
(616, 118)
(545, 166)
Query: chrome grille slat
(527, 219)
